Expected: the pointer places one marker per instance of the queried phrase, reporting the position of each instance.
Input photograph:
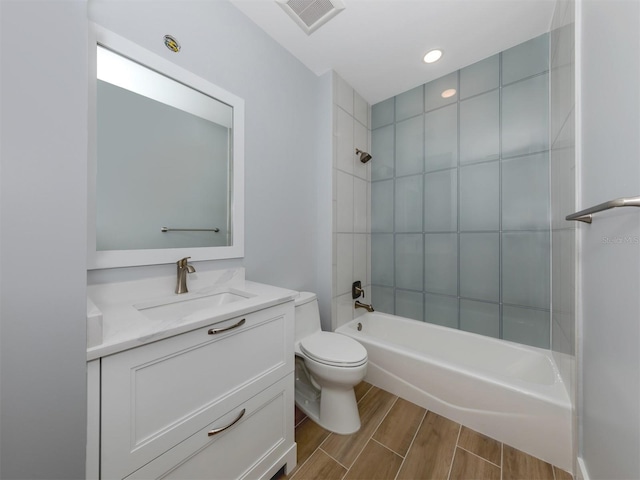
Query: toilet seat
(333, 349)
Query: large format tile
(433, 91)
(480, 128)
(480, 317)
(441, 263)
(480, 77)
(382, 113)
(382, 206)
(441, 201)
(441, 138)
(382, 259)
(410, 304)
(525, 117)
(480, 197)
(410, 146)
(525, 269)
(399, 426)
(382, 149)
(468, 466)
(518, 465)
(525, 193)
(410, 103)
(432, 451)
(319, 466)
(361, 390)
(409, 260)
(408, 204)
(373, 407)
(480, 266)
(526, 59)
(480, 445)
(309, 435)
(375, 463)
(441, 310)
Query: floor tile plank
(373, 408)
(467, 466)
(431, 453)
(518, 465)
(376, 462)
(361, 390)
(399, 426)
(299, 416)
(309, 435)
(319, 466)
(481, 445)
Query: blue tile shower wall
(460, 201)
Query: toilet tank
(307, 315)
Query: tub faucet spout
(183, 269)
(367, 307)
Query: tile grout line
(365, 393)
(411, 444)
(455, 448)
(300, 422)
(331, 457)
(476, 455)
(385, 447)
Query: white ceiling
(377, 45)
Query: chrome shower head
(364, 156)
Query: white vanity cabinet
(213, 403)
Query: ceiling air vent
(311, 14)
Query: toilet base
(335, 410)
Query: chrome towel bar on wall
(586, 215)
(168, 229)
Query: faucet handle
(357, 290)
(183, 262)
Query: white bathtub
(510, 392)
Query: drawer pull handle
(215, 431)
(213, 331)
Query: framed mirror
(166, 171)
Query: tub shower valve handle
(357, 290)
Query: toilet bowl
(328, 366)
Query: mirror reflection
(164, 161)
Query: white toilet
(328, 366)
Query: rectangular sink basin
(179, 308)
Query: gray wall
(282, 111)
(43, 194)
(609, 259)
(563, 192)
(43, 224)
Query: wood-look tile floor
(400, 440)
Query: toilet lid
(333, 349)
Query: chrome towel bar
(168, 229)
(586, 215)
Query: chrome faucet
(183, 269)
(359, 304)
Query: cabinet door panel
(155, 396)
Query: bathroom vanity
(196, 385)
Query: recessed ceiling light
(448, 93)
(432, 56)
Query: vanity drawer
(247, 449)
(157, 395)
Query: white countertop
(115, 324)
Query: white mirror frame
(126, 258)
